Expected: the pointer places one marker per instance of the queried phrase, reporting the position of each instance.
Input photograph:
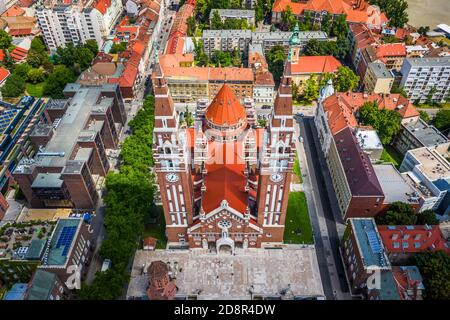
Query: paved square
(225, 276)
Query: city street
(326, 221)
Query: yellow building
(378, 78)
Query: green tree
(191, 26)
(311, 90)
(339, 27)
(386, 122)
(276, 58)
(216, 22)
(345, 80)
(201, 57)
(399, 213)
(288, 19)
(5, 40)
(92, 46)
(259, 11)
(442, 120)
(35, 75)
(14, 86)
(221, 58)
(427, 217)
(236, 58)
(22, 70)
(326, 24)
(424, 116)
(57, 80)
(435, 270)
(423, 30)
(235, 4)
(118, 47)
(395, 10)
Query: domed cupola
(226, 114)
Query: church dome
(225, 111)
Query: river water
(428, 12)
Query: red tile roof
(390, 50)
(225, 109)
(353, 12)
(102, 5)
(14, 11)
(18, 54)
(412, 239)
(315, 64)
(342, 106)
(225, 179)
(2, 54)
(20, 32)
(363, 35)
(4, 73)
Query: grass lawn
(297, 170)
(298, 229)
(158, 228)
(391, 155)
(35, 90)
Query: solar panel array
(373, 241)
(65, 238)
(6, 117)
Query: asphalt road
(324, 193)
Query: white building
(63, 24)
(226, 40)
(430, 172)
(422, 76)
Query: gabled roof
(225, 179)
(315, 64)
(358, 169)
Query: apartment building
(190, 84)
(430, 170)
(226, 40)
(418, 134)
(364, 258)
(264, 85)
(225, 14)
(270, 39)
(62, 23)
(68, 252)
(426, 79)
(378, 78)
(390, 54)
(71, 153)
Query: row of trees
(128, 201)
(400, 213)
(435, 270)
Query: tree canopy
(400, 213)
(343, 80)
(275, 59)
(14, 86)
(57, 80)
(128, 201)
(395, 10)
(5, 40)
(386, 122)
(442, 120)
(435, 270)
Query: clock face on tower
(172, 177)
(276, 177)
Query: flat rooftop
(61, 242)
(432, 164)
(369, 243)
(227, 34)
(226, 276)
(427, 134)
(368, 139)
(429, 62)
(380, 71)
(238, 13)
(285, 35)
(395, 186)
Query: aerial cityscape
(224, 150)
